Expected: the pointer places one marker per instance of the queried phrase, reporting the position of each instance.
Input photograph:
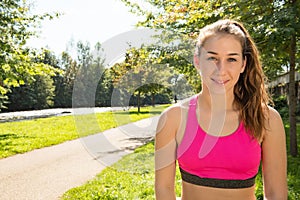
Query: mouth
(220, 82)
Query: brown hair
(250, 95)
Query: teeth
(221, 82)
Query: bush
(38, 94)
(281, 105)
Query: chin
(215, 92)
(219, 89)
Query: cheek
(236, 75)
(206, 68)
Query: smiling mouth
(220, 82)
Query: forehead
(222, 43)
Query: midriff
(196, 192)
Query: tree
(274, 24)
(178, 59)
(105, 89)
(64, 82)
(17, 67)
(39, 92)
(101, 76)
(91, 68)
(139, 76)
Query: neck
(218, 107)
(217, 102)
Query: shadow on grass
(141, 112)
(10, 144)
(8, 136)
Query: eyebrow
(230, 54)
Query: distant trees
(148, 74)
(45, 91)
(84, 71)
(64, 82)
(37, 78)
(17, 65)
(39, 92)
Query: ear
(244, 65)
(196, 61)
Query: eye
(232, 59)
(212, 58)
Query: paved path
(49, 172)
(32, 114)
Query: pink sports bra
(224, 162)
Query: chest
(234, 154)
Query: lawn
(133, 178)
(23, 136)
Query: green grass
(293, 168)
(130, 178)
(133, 178)
(23, 136)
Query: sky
(86, 20)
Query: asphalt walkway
(47, 173)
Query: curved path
(49, 172)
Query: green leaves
(271, 23)
(17, 64)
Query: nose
(221, 66)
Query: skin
(220, 66)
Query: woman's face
(220, 63)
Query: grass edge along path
(27, 135)
(133, 178)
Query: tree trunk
(292, 99)
(139, 101)
(153, 99)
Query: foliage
(178, 57)
(86, 70)
(104, 89)
(38, 94)
(152, 71)
(90, 70)
(64, 82)
(271, 23)
(137, 75)
(274, 25)
(281, 103)
(17, 67)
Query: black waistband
(217, 183)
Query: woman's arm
(165, 154)
(274, 161)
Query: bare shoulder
(273, 117)
(173, 114)
(273, 114)
(170, 113)
(274, 124)
(170, 121)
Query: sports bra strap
(193, 102)
(191, 127)
(217, 183)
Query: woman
(221, 135)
